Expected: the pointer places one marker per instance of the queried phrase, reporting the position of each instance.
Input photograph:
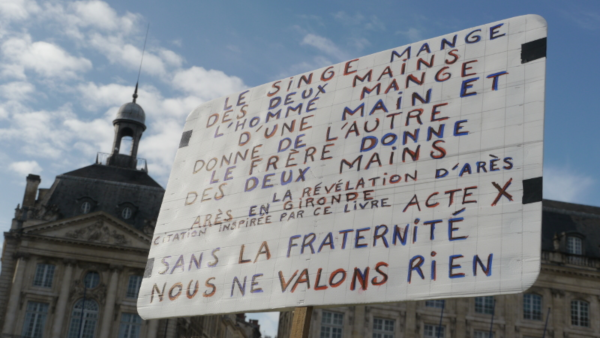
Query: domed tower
(129, 123)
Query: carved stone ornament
(98, 233)
(557, 293)
(148, 230)
(98, 293)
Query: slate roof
(109, 189)
(114, 174)
(564, 219)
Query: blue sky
(66, 67)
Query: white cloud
(412, 34)
(25, 168)
(18, 91)
(305, 66)
(358, 20)
(96, 96)
(359, 43)
(119, 52)
(43, 118)
(324, 45)
(206, 84)
(585, 19)
(170, 57)
(567, 185)
(17, 9)
(46, 59)
(348, 19)
(40, 134)
(96, 13)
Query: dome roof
(131, 111)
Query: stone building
(566, 295)
(75, 254)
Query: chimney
(33, 181)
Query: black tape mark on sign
(533, 50)
(185, 138)
(149, 266)
(532, 190)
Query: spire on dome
(135, 95)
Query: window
(126, 213)
(44, 273)
(131, 325)
(433, 331)
(35, 318)
(532, 306)
(88, 311)
(383, 328)
(439, 303)
(483, 334)
(86, 207)
(484, 305)
(580, 311)
(574, 245)
(91, 279)
(133, 287)
(126, 145)
(332, 324)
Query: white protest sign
(413, 173)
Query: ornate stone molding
(23, 255)
(69, 261)
(98, 233)
(88, 266)
(98, 293)
(115, 267)
(556, 293)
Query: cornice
(91, 216)
(86, 243)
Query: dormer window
(574, 245)
(126, 210)
(126, 213)
(86, 205)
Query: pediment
(97, 228)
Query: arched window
(83, 319)
(574, 245)
(580, 313)
(532, 306)
(126, 142)
(126, 145)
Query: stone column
(15, 293)
(462, 307)
(560, 315)
(172, 328)
(513, 305)
(63, 298)
(152, 328)
(410, 330)
(109, 307)
(358, 327)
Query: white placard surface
(414, 173)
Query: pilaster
(15, 294)
(63, 298)
(107, 318)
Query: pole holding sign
(413, 173)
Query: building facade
(75, 254)
(563, 302)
